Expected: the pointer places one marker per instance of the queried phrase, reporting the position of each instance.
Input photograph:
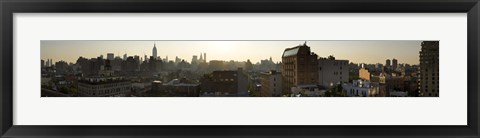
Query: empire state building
(154, 51)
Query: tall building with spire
(154, 51)
(201, 57)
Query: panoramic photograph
(312, 68)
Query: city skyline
(370, 52)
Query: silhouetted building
(154, 51)
(61, 67)
(394, 64)
(42, 64)
(129, 66)
(248, 66)
(90, 67)
(152, 64)
(204, 57)
(110, 56)
(194, 59)
(224, 83)
(429, 68)
(300, 67)
(107, 69)
(388, 63)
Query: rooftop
(291, 52)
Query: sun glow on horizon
(255, 51)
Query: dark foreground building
(429, 69)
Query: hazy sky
(355, 51)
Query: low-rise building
(271, 84)
(361, 88)
(104, 86)
(140, 88)
(307, 91)
(225, 83)
(181, 88)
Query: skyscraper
(194, 59)
(387, 63)
(429, 69)
(205, 57)
(394, 64)
(42, 63)
(154, 51)
(300, 67)
(110, 56)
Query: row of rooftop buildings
(302, 73)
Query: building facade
(363, 73)
(300, 67)
(332, 72)
(224, 83)
(104, 86)
(361, 88)
(429, 69)
(271, 84)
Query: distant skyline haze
(368, 51)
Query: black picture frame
(9, 7)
